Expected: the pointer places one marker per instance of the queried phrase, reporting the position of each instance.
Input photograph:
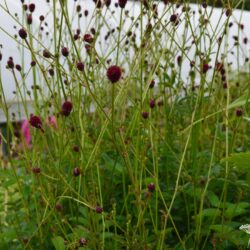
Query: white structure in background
(10, 48)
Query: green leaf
(241, 101)
(241, 160)
(221, 228)
(210, 212)
(234, 210)
(246, 118)
(58, 243)
(213, 199)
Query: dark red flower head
(173, 18)
(107, 3)
(99, 210)
(18, 67)
(152, 84)
(152, 103)
(29, 19)
(36, 170)
(67, 108)
(41, 18)
(10, 63)
(59, 207)
(35, 121)
(88, 38)
(32, 7)
(239, 112)
(80, 66)
(151, 187)
(46, 53)
(65, 51)
(22, 33)
(76, 171)
(205, 68)
(114, 73)
(122, 3)
(145, 115)
(82, 241)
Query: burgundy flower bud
(25, 7)
(76, 171)
(58, 207)
(65, 51)
(173, 18)
(152, 84)
(88, 38)
(32, 7)
(239, 112)
(10, 63)
(98, 3)
(51, 72)
(35, 121)
(228, 12)
(67, 108)
(99, 210)
(41, 18)
(78, 8)
(86, 12)
(36, 170)
(107, 3)
(80, 66)
(76, 149)
(122, 3)
(225, 85)
(46, 53)
(82, 242)
(114, 73)
(76, 37)
(152, 103)
(151, 187)
(146, 4)
(204, 5)
(179, 60)
(145, 115)
(223, 71)
(205, 68)
(33, 63)
(93, 31)
(29, 19)
(22, 33)
(18, 67)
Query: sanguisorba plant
(139, 133)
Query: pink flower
(51, 121)
(25, 130)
